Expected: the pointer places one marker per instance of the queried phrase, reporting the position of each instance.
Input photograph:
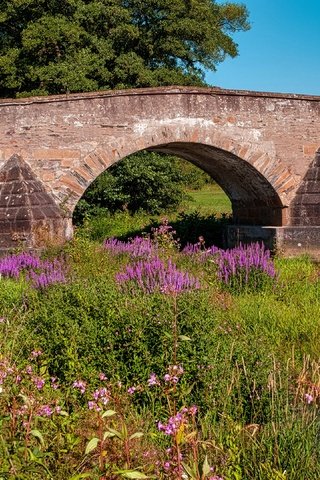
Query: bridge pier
(29, 217)
(289, 241)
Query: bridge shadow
(305, 209)
(254, 200)
(190, 227)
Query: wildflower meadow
(143, 357)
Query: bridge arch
(254, 182)
(259, 146)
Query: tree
(59, 46)
(143, 181)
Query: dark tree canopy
(58, 46)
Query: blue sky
(281, 52)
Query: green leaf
(108, 413)
(80, 476)
(91, 445)
(205, 466)
(63, 413)
(167, 334)
(184, 338)
(38, 435)
(189, 471)
(133, 474)
(116, 433)
(136, 435)
(108, 435)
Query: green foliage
(250, 360)
(63, 46)
(144, 181)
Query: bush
(146, 181)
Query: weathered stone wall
(260, 147)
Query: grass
(210, 199)
(250, 361)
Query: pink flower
(308, 398)
(193, 410)
(93, 406)
(36, 353)
(39, 382)
(80, 385)
(131, 390)
(153, 380)
(45, 411)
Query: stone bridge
(263, 149)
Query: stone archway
(258, 146)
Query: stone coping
(213, 91)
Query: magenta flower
(80, 385)
(136, 247)
(173, 424)
(39, 382)
(153, 380)
(94, 406)
(156, 276)
(36, 353)
(308, 398)
(45, 411)
(40, 273)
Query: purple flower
(39, 382)
(244, 263)
(308, 398)
(94, 406)
(131, 390)
(45, 411)
(173, 424)
(156, 276)
(101, 395)
(136, 247)
(80, 385)
(153, 380)
(41, 273)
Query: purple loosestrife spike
(136, 247)
(243, 262)
(156, 276)
(41, 273)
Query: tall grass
(99, 381)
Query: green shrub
(145, 181)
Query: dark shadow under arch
(254, 200)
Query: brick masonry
(262, 148)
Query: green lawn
(210, 199)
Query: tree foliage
(59, 46)
(147, 181)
